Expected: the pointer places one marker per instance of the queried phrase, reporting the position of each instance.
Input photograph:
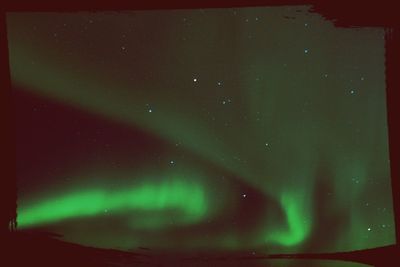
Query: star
(195, 79)
(369, 229)
(305, 51)
(172, 162)
(352, 92)
(244, 195)
(150, 110)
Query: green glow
(298, 226)
(288, 126)
(189, 199)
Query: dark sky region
(260, 129)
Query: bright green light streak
(298, 227)
(188, 198)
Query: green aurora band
(190, 200)
(302, 126)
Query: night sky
(260, 129)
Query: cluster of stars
(266, 144)
(149, 109)
(226, 101)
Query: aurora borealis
(260, 129)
